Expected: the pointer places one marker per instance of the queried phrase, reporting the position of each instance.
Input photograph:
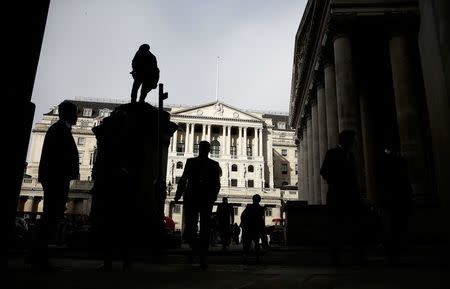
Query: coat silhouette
(59, 164)
(225, 218)
(253, 226)
(199, 185)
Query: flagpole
(217, 79)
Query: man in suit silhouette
(145, 72)
(199, 185)
(225, 217)
(59, 165)
(343, 199)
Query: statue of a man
(145, 72)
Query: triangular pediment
(218, 110)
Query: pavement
(294, 267)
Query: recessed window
(236, 211)
(180, 147)
(251, 169)
(250, 183)
(87, 112)
(177, 179)
(284, 152)
(284, 169)
(176, 209)
(268, 212)
(234, 182)
(281, 125)
(296, 169)
(80, 156)
(179, 165)
(81, 141)
(234, 168)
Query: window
(81, 141)
(176, 209)
(284, 152)
(177, 179)
(215, 148)
(250, 183)
(281, 125)
(180, 148)
(295, 153)
(80, 156)
(179, 165)
(91, 158)
(251, 169)
(296, 169)
(56, 110)
(284, 169)
(27, 181)
(104, 112)
(87, 112)
(233, 151)
(284, 184)
(234, 168)
(236, 211)
(268, 212)
(234, 182)
(196, 146)
(249, 151)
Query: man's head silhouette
(203, 149)
(144, 47)
(68, 112)
(256, 199)
(347, 138)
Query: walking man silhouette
(59, 165)
(225, 217)
(145, 73)
(199, 185)
(343, 200)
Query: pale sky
(89, 44)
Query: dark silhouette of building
(199, 186)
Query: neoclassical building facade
(357, 66)
(256, 152)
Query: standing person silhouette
(225, 217)
(252, 223)
(59, 164)
(199, 185)
(343, 200)
(145, 73)
(396, 202)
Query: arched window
(234, 168)
(179, 165)
(251, 169)
(215, 148)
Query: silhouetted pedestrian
(395, 201)
(225, 217)
(252, 223)
(145, 72)
(199, 185)
(343, 199)
(236, 233)
(59, 164)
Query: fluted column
(191, 138)
(261, 136)
(323, 137)
(239, 142)
(347, 101)
(228, 140)
(186, 138)
(310, 160)
(203, 131)
(175, 141)
(224, 142)
(208, 136)
(331, 105)
(315, 150)
(245, 142)
(408, 115)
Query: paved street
(294, 268)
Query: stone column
(315, 151)
(331, 105)
(261, 136)
(244, 152)
(203, 131)
(310, 160)
(323, 137)
(305, 163)
(239, 142)
(224, 142)
(208, 136)
(408, 116)
(187, 138)
(300, 164)
(28, 206)
(347, 101)
(175, 141)
(229, 140)
(191, 146)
